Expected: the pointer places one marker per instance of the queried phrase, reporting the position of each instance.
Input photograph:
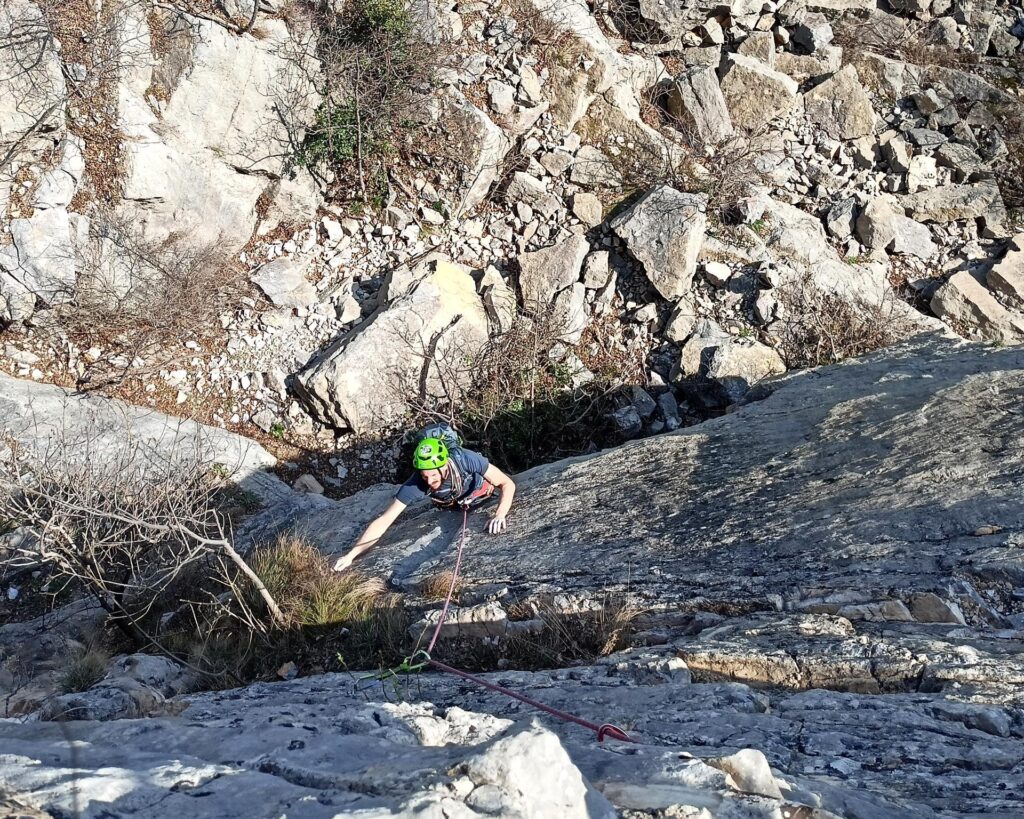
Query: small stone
(307, 483)
(717, 273)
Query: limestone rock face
(201, 176)
(364, 381)
(855, 619)
(664, 230)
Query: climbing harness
(420, 658)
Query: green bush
(370, 20)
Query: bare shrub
(139, 298)
(1009, 119)
(373, 64)
(515, 398)
(125, 523)
(912, 41)
(724, 170)
(818, 328)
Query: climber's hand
(496, 524)
(342, 563)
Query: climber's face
(434, 477)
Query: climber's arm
(374, 532)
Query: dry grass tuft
(436, 587)
(87, 667)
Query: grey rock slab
(745, 524)
(40, 415)
(664, 230)
(862, 536)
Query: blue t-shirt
(471, 466)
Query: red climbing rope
(603, 730)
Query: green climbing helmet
(431, 453)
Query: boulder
(950, 203)
(728, 366)
(961, 159)
(42, 261)
(695, 99)
(570, 312)
(803, 67)
(971, 309)
(284, 282)
(664, 230)
(587, 208)
(479, 144)
(750, 772)
(890, 78)
(841, 218)
(627, 422)
(681, 321)
(499, 300)
(883, 226)
(758, 44)
(546, 272)
(1007, 276)
(840, 106)
(596, 270)
(754, 93)
(921, 175)
(812, 31)
(363, 381)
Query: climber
(452, 477)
